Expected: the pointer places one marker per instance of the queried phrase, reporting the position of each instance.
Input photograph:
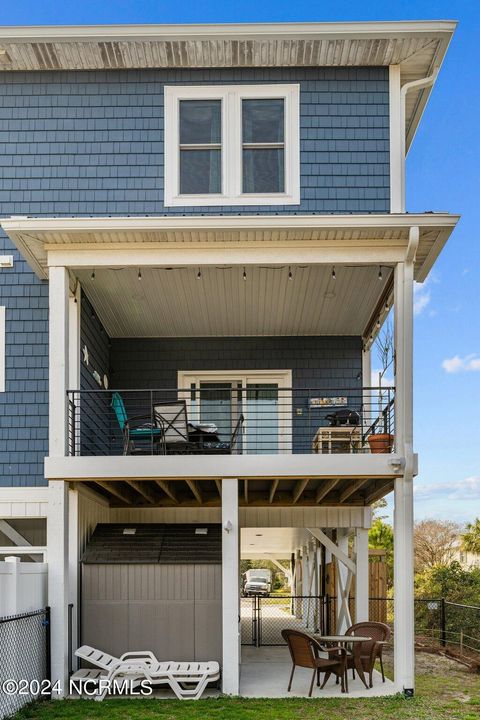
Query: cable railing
(231, 418)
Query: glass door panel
(219, 405)
(262, 421)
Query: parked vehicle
(257, 581)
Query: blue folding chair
(139, 427)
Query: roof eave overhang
(333, 30)
(28, 234)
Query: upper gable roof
(417, 46)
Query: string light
(139, 274)
(244, 274)
(290, 276)
(380, 275)
(92, 276)
(378, 325)
(199, 274)
(334, 277)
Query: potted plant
(380, 442)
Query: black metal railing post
(443, 623)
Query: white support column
(58, 360)
(404, 657)
(367, 383)
(74, 310)
(58, 577)
(343, 585)
(397, 143)
(73, 562)
(230, 588)
(362, 575)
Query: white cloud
(385, 381)
(421, 298)
(456, 364)
(466, 489)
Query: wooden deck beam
(168, 490)
(325, 488)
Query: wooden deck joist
(187, 492)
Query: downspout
(413, 85)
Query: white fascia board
(424, 95)
(228, 466)
(225, 222)
(334, 30)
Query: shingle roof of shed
(154, 543)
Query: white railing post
(230, 588)
(13, 600)
(362, 575)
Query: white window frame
(2, 349)
(283, 378)
(231, 97)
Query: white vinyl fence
(23, 586)
(24, 632)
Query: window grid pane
(200, 147)
(263, 146)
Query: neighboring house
(467, 560)
(216, 215)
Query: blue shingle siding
(92, 143)
(24, 404)
(329, 366)
(86, 143)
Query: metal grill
(24, 659)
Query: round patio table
(345, 640)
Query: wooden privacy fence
(377, 588)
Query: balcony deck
(277, 442)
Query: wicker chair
(370, 650)
(304, 651)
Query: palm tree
(471, 538)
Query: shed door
(173, 610)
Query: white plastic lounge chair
(107, 662)
(143, 665)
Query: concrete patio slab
(265, 672)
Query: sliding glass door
(262, 398)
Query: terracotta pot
(380, 443)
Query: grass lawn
(449, 693)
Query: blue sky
(442, 174)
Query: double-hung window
(232, 145)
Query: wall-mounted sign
(322, 402)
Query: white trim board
(223, 466)
(231, 97)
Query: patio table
(345, 640)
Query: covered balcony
(258, 328)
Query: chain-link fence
(24, 659)
(437, 621)
(264, 618)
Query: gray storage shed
(154, 587)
